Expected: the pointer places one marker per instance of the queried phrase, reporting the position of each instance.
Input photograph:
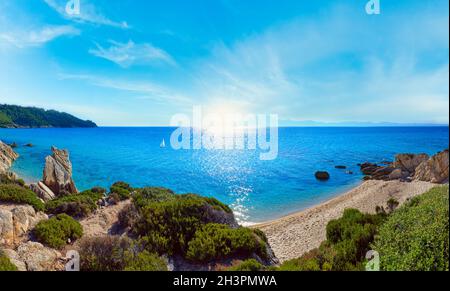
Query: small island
(13, 116)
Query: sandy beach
(298, 233)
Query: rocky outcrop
(33, 256)
(7, 157)
(58, 172)
(408, 167)
(409, 162)
(42, 191)
(16, 221)
(434, 170)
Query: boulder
(58, 172)
(7, 157)
(42, 191)
(409, 162)
(434, 170)
(369, 168)
(397, 174)
(6, 227)
(33, 256)
(322, 175)
(16, 221)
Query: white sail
(163, 144)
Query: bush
(169, 224)
(113, 253)
(416, 236)
(5, 263)
(10, 178)
(103, 253)
(250, 265)
(128, 216)
(76, 205)
(218, 241)
(11, 193)
(56, 231)
(148, 195)
(122, 190)
(98, 190)
(348, 241)
(320, 259)
(144, 261)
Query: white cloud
(34, 38)
(89, 14)
(337, 68)
(130, 54)
(141, 90)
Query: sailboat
(163, 144)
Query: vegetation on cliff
(17, 116)
(58, 230)
(348, 240)
(416, 236)
(12, 193)
(76, 205)
(5, 263)
(114, 253)
(199, 229)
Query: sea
(257, 190)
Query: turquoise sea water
(257, 190)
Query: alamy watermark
(73, 7)
(373, 263)
(233, 131)
(373, 7)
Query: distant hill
(12, 116)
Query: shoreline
(293, 235)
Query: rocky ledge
(410, 167)
(7, 157)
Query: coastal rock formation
(322, 176)
(33, 256)
(58, 172)
(408, 167)
(434, 170)
(409, 162)
(7, 157)
(16, 221)
(42, 191)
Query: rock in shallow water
(322, 175)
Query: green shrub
(5, 263)
(11, 193)
(76, 205)
(122, 190)
(56, 231)
(113, 253)
(416, 236)
(103, 253)
(320, 259)
(168, 225)
(218, 241)
(250, 265)
(10, 178)
(128, 216)
(348, 241)
(144, 261)
(350, 237)
(145, 196)
(98, 190)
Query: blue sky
(137, 63)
